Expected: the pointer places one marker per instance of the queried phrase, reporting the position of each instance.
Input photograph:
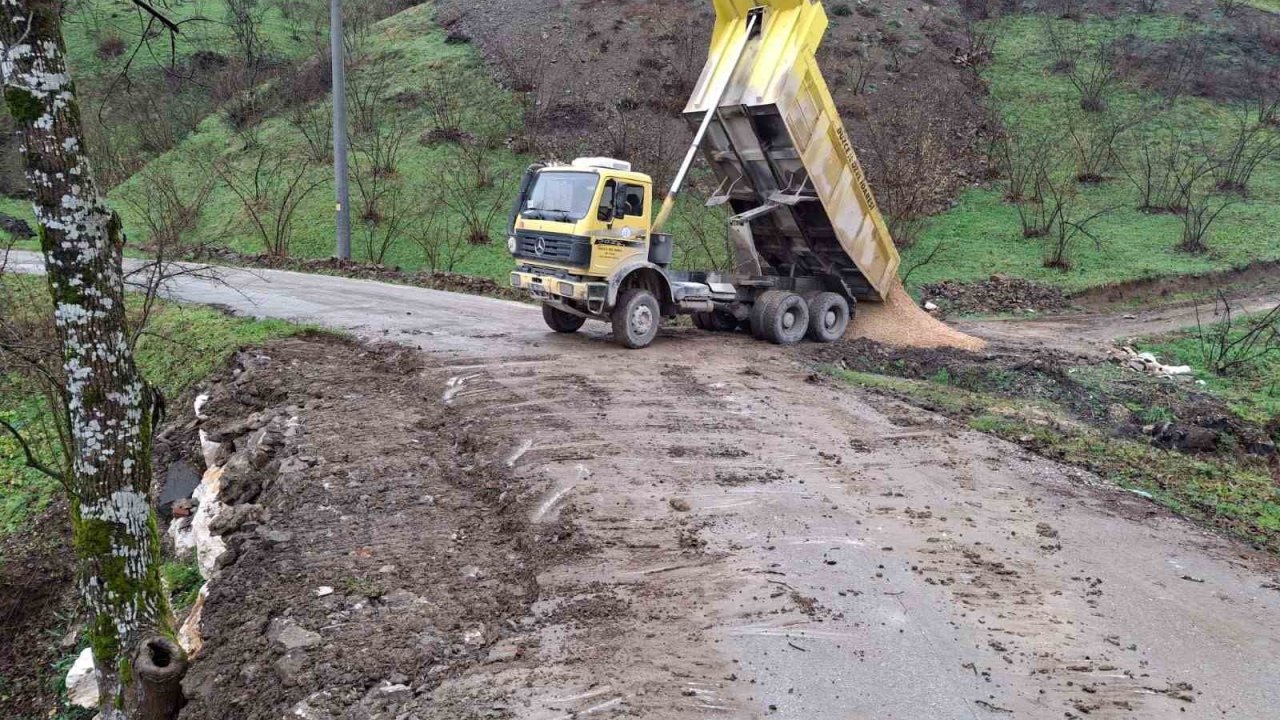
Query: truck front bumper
(588, 295)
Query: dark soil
(37, 601)
(1188, 420)
(362, 481)
(611, 78)
(997, 294)
(452, 282)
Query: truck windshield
(560, 196)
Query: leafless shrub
(1022, 157)
(1090, 65)
(444, 99)
(1095, 141)
(1249, 143)
(314, 122)
(384, 227)
(1229, 8)
(1159, 170)
(1149, 7)
(270, 189)
(244, 18)
(169, 207)
(476, 209)
(1236, 344)
(1200, 207)
(702, 242)
(906, 152)
(443, 244)
(1068, 9)
(1068, 225)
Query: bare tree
(270, 188)
(1235, 345)
(244, 19)
(107, 411)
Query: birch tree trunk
(110, 409)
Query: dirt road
(1094, 331)
(768, 544)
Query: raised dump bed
(800, 200)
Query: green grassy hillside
(981, 235)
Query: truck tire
(636, 318)
(561, 321)
(756, 316)
(786, 319)
(828, 317)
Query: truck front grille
(549, 247)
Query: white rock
(189, 636)
(930, 305)
(209, 547)
(82, 684)
(209, 450)
(324, 591)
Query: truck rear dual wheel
(828, 316)
(636, 318)
(780, 317)
(561, 321)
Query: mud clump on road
(995, 295)
(385, 556)
(899, 322)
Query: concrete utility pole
(343, 191)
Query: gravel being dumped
(898, 321)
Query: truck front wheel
(636, 318)
(828, 317)
(561, 321)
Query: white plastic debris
(82, 684)
(201, 400)
(1148, 363)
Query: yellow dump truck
(807, 239)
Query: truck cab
(579, 233)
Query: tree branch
(32, 462)
(146, 7)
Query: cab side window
(632, 204)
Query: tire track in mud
(771, 546)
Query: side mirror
(620, 206)
(605, 213)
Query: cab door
(625, 234)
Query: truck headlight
(511, 245)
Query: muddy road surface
(759, 542)
(1094, 331)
